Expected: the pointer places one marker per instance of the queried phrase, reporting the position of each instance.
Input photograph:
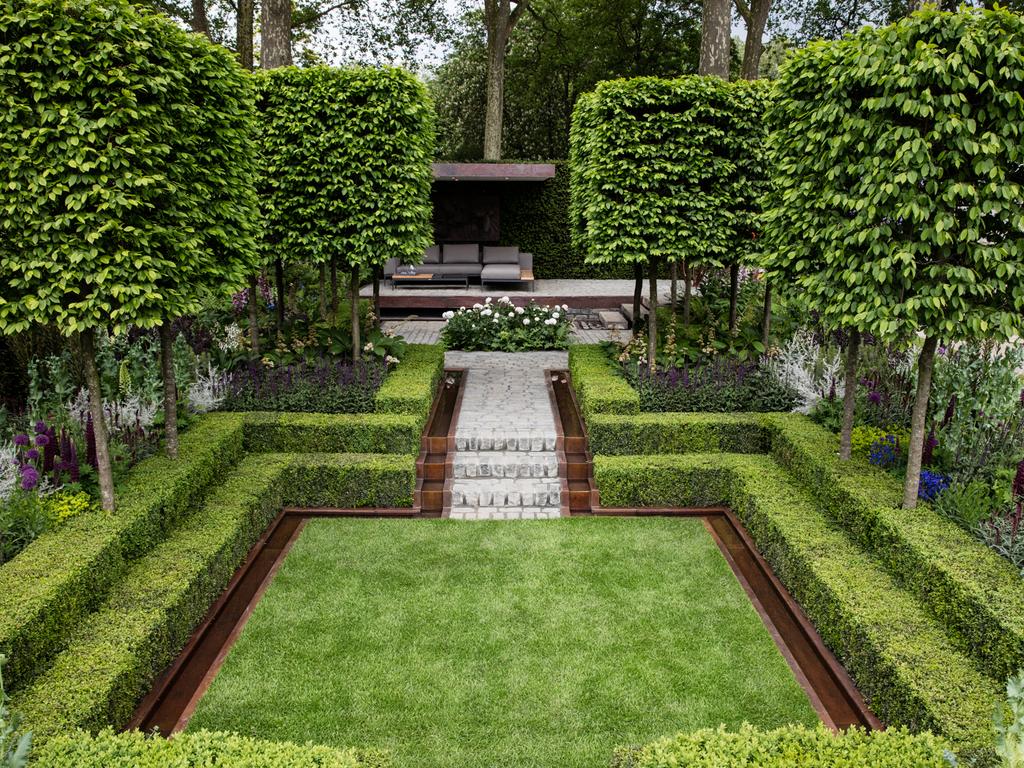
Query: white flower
(368, 347)
(565, 307)
(232, 338)
(487, 313)
(478, 306)
(505, 300)
(526, 321)
(520, 310)
(555, 315)
(391, 360)
(511, 314)
(448, 315)
(9, 473)
(207, 392)
(550, 321)
(487, 300)
(496, 319)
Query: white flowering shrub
(208, 390)
(9, 472)
(500, 326)
(810, 370)
(130, 412)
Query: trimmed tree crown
(346, 167)
(899, 163)
(668, 169)
(126, 159)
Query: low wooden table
(427, 280)
(525, 276)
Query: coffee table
(428, 280)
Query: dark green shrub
(718, 386)
(323, 386)
(202, 749)
(409, 387)
(332, 433)
(599, 384)
(787, 747)
(654, 433)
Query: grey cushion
(495, 272)
(432, 255)
(461, 253)
(501, 254)
(470, 270)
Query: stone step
(613, 320)
(505, 440)
(498, 493)
(505, 513)
(510, 464)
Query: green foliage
(599, 383)
(322, 386)
(341, 432)
(115, 653)
(654, 433)
(409, 387)
(1010, 725)
(345, 168)
(911, 672)
(14, 747)
(862, 439)
(502, 327)
(48, 589)
(785, 747)
(967, 505)
(668, 169)
(718, 385)
(896, 204)
(126, 159)
(108, 749)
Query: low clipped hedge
(409, 388)
(654, 433)
(114, 654)
(910, 671)
(600, 385)
(47, 590)
(975, 593)
(787, 747)
(332, 433)
(202, 749)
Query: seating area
(462, 262)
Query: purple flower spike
(29, 478)
(42, 440)
(874, 397)
(32, 454)
(21, 439)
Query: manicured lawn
(501, 644)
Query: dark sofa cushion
(469, 270)
(501, 254)
(460, 253)
(432, 255)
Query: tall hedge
(897, 155)
(346, 167)
(126, 159)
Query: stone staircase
(505, 465)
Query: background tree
(500, 18)
(900, 213)
(124, 196)
(346, 173)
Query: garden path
(505, 466)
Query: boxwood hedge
(654, 433)
(115, 653)
(202, 749)
(409, 388)
(901, 657)
(600, 386)
(787, 747)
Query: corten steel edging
(449, 442)
(563, 473)
(828, 685)
(432, 444)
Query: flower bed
(500, 326)
(324, 386)
(718, 386)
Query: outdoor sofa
(489, 264)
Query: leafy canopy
(346, 164)
(668, 169)
(899, 163)
(126, 160)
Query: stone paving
(505, 466)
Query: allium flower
(40, 427)
(42, 440)
(21, 439)
(32, 454)
(29, 478)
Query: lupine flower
(874, 397)
(932, 485)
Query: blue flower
(884, 452)
(932, 485)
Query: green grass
(501, 644)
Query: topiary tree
(899, 163)
(125, 158)
(346, 168)
(667, 170)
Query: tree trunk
(849, 394)
(279, 279)
(496, 16)
(245, 20)
(715, 38)
(354, 300)
(687, 291)
(99, 422)
(756, 18)
(652, 316)
(673, 271)
(766, 316)
(734, 295)
(638, 292)
(276, 34)
(254, 316)
(323, 291)
(200, 24)
(334, 288)
(925, 366)
(376, 296)
(170, 388)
